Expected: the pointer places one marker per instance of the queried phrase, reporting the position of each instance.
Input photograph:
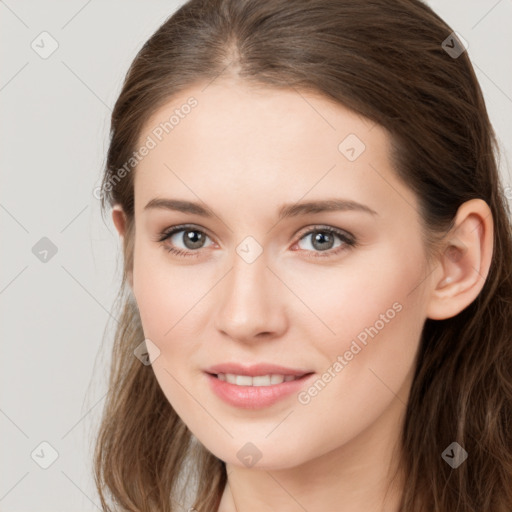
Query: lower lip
(255, 397)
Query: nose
(250, 299)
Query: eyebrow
(286, 210)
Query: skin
(243, 152)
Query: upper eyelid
(180, 227)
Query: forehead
(253, 140)
(281, 119)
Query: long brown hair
(387, 60)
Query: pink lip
(255, 397)
(255, 369)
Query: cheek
(369, 360)
(152, 301)
(165, 298)
(164, 293)
(371, 314)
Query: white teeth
(260, 380)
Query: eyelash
(349, 242)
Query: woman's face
(345, 303)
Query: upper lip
(255, 369)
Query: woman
(254, 369)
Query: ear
(465, 261)
(119, 218)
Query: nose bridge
(247, 283)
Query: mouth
(256, 391)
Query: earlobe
(464, 263)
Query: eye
(191, 237)
(322, 240)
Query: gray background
(54, 132)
